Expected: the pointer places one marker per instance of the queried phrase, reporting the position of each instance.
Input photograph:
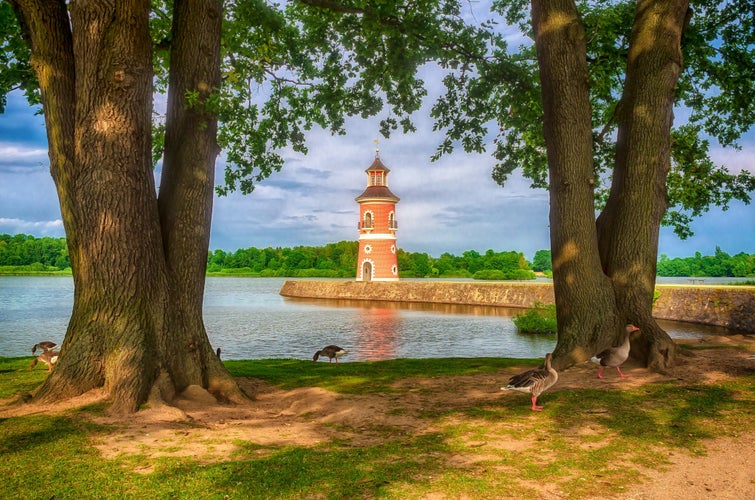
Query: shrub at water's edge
(540, 319)
(496, 274)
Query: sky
(451, 205)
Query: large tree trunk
(118, 269)
(96, 81)
(186, 188)
(629, 226)
(586, 311)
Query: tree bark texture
(95, 73)
(585, 307)
(629, 227)
(186, 186)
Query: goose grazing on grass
(48, 357)
(535, 381)
(331, 351)
(615, 356)
(45, 346)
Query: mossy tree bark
(604, 273)
(186, 187)
(137, 312)
(628, 227)
(585, 306)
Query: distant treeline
(339, 260)
(27, 254)
(721, 264)
(38, 254)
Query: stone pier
(732, 307)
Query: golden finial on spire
(377, 149)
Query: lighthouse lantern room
(377, 260)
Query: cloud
(14, 157)
(735, 160)
(451, 205)
(23, 140)
(37, 228)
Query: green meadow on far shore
(40, 270)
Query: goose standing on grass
(331, 351)
(615, 356)
(535, 381)
(45, 345)
(48, 357)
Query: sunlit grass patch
(592, 442)
(332, 471)
(481, 481)
(585, 443)
(16, 378)
(57, 448)
(362, 377)
(682, 414)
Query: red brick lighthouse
(377, 260)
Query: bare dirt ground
(196, 426)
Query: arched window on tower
(392, 225)
(367, 224)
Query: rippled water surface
(248, 319)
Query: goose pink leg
(535, 407)
(621, 374)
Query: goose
(535, 381)
(331, 351)
(45, 345)
(48, 357)
(615, 356)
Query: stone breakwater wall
(731, 307)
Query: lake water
(248, 319)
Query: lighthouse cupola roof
(377, 166)
(377, 184)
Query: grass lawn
(591, 441)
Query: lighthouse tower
(377, 260)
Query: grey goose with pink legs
(615, 356)
(534, 382)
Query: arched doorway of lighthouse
(367, 271)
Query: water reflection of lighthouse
(377, 333)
